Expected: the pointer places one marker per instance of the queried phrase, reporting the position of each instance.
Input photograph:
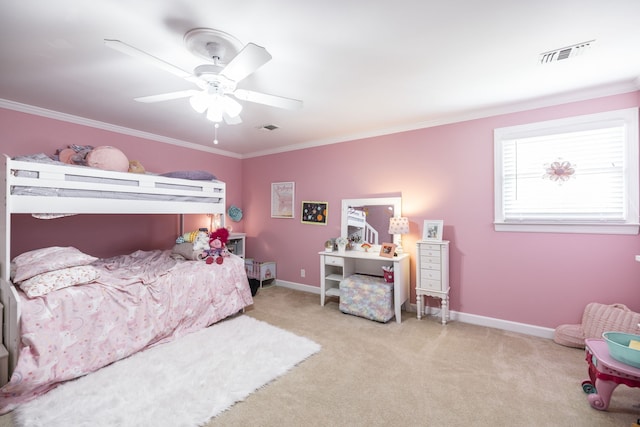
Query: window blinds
(594, 192)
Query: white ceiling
(362, 67)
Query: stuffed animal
(189, 237)
(199, 238)
(136, 167)
(201, 241)
(103, 157)
(217, 246)
(221, 234)
(73, 154)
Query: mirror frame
(396, 202)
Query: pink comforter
(140, 300)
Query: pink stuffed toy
(103, 157)
(217, 246)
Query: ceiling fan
(228, 63)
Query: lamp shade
(398, 225)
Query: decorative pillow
(108, 158)
(44, 283)
(194, 175)
(185, 250)
(43, 260)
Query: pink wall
(446, 172)
(443, 172)
(107, 235)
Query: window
(576, 175)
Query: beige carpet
(418, 373)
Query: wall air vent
(566, 52)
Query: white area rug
(182, 383)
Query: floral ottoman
(367, 296)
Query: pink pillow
(50, 281)
(108, 158)
(38, 261)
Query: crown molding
(56, 115)
(489, 111)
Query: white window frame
(632, 160)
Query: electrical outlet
(302, 273)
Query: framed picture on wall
(314, 213)
(387, 250)
(432, 231)
(282, 199)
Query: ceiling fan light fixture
(215, 105)
(199, 102)
(231, 106)
(228, 62)
(214, 113)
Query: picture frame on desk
(432, 231)
(387, 250)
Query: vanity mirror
(367, 220)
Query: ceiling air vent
(566, 52)
(268, 127)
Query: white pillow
(44, 283)
(38, 261)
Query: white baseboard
(299, 287)
(491, 322)
(474, 319)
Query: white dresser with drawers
(432, 276)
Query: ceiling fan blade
(248, 60)
(266, 99)
(167, 96)
(137, 53)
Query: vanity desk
(336, 266)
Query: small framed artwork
(432, 231)
(387, 250)
(315, 213)
(282, 199)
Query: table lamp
(399, 225)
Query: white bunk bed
(43, 188)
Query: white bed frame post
(6, 225)
(7, 292)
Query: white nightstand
(236, 244)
